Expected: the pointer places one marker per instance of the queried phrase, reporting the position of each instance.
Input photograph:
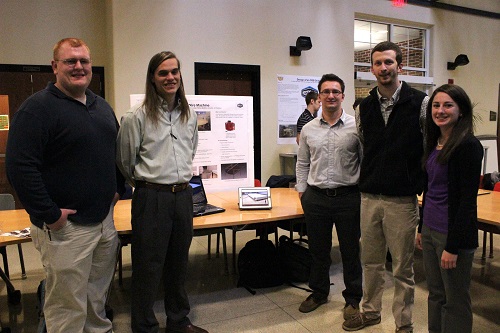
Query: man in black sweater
(61, 162)
(390, 123)
(312, 106)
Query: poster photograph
(292, 91)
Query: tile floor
(220, 307)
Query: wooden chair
(7, 203)
(126, 239)
(219, 232)
(485, 233)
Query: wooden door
(4, 121)
(233, 80)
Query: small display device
(254, 197)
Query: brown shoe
(404, 330)
(358, 322)
(187, 329)
(311, 304)
(350, 311)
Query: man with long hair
(157, 142)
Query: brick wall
(411, 57)
(361, 91)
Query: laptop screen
(199, 196)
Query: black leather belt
(162, 187)
(333, 192)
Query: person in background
(312, 106)
(327, 170)
(390, 124)
(157, 142)
(448, 228)
(61, 162)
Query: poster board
(292, 91)
(225, 156)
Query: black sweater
(392, 153)
(464, 169)
(61, 154)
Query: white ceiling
(487, 5)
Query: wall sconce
(303, 43)
(460, 60)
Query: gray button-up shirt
(328, 156)
(161, 153)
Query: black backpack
(280, 181)
(258, 265)
(489, 180)
(295, 259)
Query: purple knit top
(436, 198)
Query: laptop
(200, 203)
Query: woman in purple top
(448, 225)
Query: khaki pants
(388, 222)
(79, 262)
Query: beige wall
(124, 34)
(30, 28)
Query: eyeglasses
(327, 92)
(71, 62)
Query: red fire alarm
(398, 3)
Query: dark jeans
(449, 302)
(321, 213)
(162, 230)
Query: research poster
(225, 157)
(292, 90)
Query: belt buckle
(331, 192)
(177, 187)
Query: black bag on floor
(295, 259)
(280, 181)
(258, 265)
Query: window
(413, 42)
